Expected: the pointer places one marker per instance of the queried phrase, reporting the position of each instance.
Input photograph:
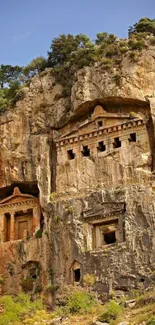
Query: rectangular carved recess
(106, 232)
(107, 224)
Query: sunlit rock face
(92, 167)
(104, 150)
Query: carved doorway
(7, 226)
(22, 229)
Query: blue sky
(28, 26)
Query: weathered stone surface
(28, 156)
(137, 80)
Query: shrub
(18, 94)
(15, 309)
(111, 51)
(123, 49)
(134, 56)
(136, 45)
(151, 321)
(111, 311)
(38, 234)
(39, 317)
(53, 197)
(89, 279)
(25, 301)
(80, 302)
(107, 63)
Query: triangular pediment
(17, 196)
(99, 120)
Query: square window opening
(101, 146)
(116, 143)
(86, 151)
(110, 237)
(70, 154)
(132, 137)
(100, 123)
(107, 233)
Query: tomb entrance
(19, 216)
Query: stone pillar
(12, 227)
(2, 228)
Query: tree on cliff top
(34, 67)
(67, 54)
(68, 48)
(144, 25)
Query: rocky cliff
(28, 157)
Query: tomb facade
(104, 225)
(90, 150)
(19, 216)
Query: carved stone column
(2, 228)
(12, 227)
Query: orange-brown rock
(91, 171)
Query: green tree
(68, 49)
(11, 91)
(3, 100)
(61, 49)
(34, 67)
(144, 25)
(9, 73)
(69, 53)
(108, 44)
(104, 39)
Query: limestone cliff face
(24, 130)
(28, 156)
(136, 80)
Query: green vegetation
(14, 78)
(69, 53)
(144, 25)
(14, 309)
(34, 67)
(151, 321)
(89, 279)
(38, 234)
(80, 302)
(111, 312)
(80, 307)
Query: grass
(14, 309)
(81, 307)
